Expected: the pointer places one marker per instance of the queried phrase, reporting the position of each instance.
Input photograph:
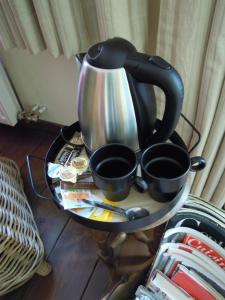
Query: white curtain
(190, 34)
(70, 26)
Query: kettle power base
(159, 212)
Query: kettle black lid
(110, 54)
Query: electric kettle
(116, 100)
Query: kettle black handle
(156, 71)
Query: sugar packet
(73, 198)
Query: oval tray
(159, 212)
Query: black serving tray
(166, 211)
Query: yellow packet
(100, 214)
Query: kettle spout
(79, 59)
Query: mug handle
(140, 184)
(198, 163)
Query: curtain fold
(184, 47)
(198, 54)
(218, 197)
(6, 37)
(130, 19)
(216, 172)
(25, 19)
(71, 26)
(48, 28)
(211, 101)
(16, 38)
(190, 34)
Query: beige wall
(43, 79)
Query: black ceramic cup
(165, 168)
(114, 168)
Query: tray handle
(29, 158)
(195, 130)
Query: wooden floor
(78, 273)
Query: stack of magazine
(190, 263)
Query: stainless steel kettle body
(105, 107)
(115, 99)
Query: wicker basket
(21, 249)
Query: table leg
(151, 242)
(101, 238)
(114, 246)
(109, 245)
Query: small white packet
(73, 198)
(54, 170)
(68, 174)
(85, 212)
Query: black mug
(114, 168)
(165, 168)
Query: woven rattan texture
(21, 249)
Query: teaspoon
(130, 213)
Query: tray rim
(125, 226)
